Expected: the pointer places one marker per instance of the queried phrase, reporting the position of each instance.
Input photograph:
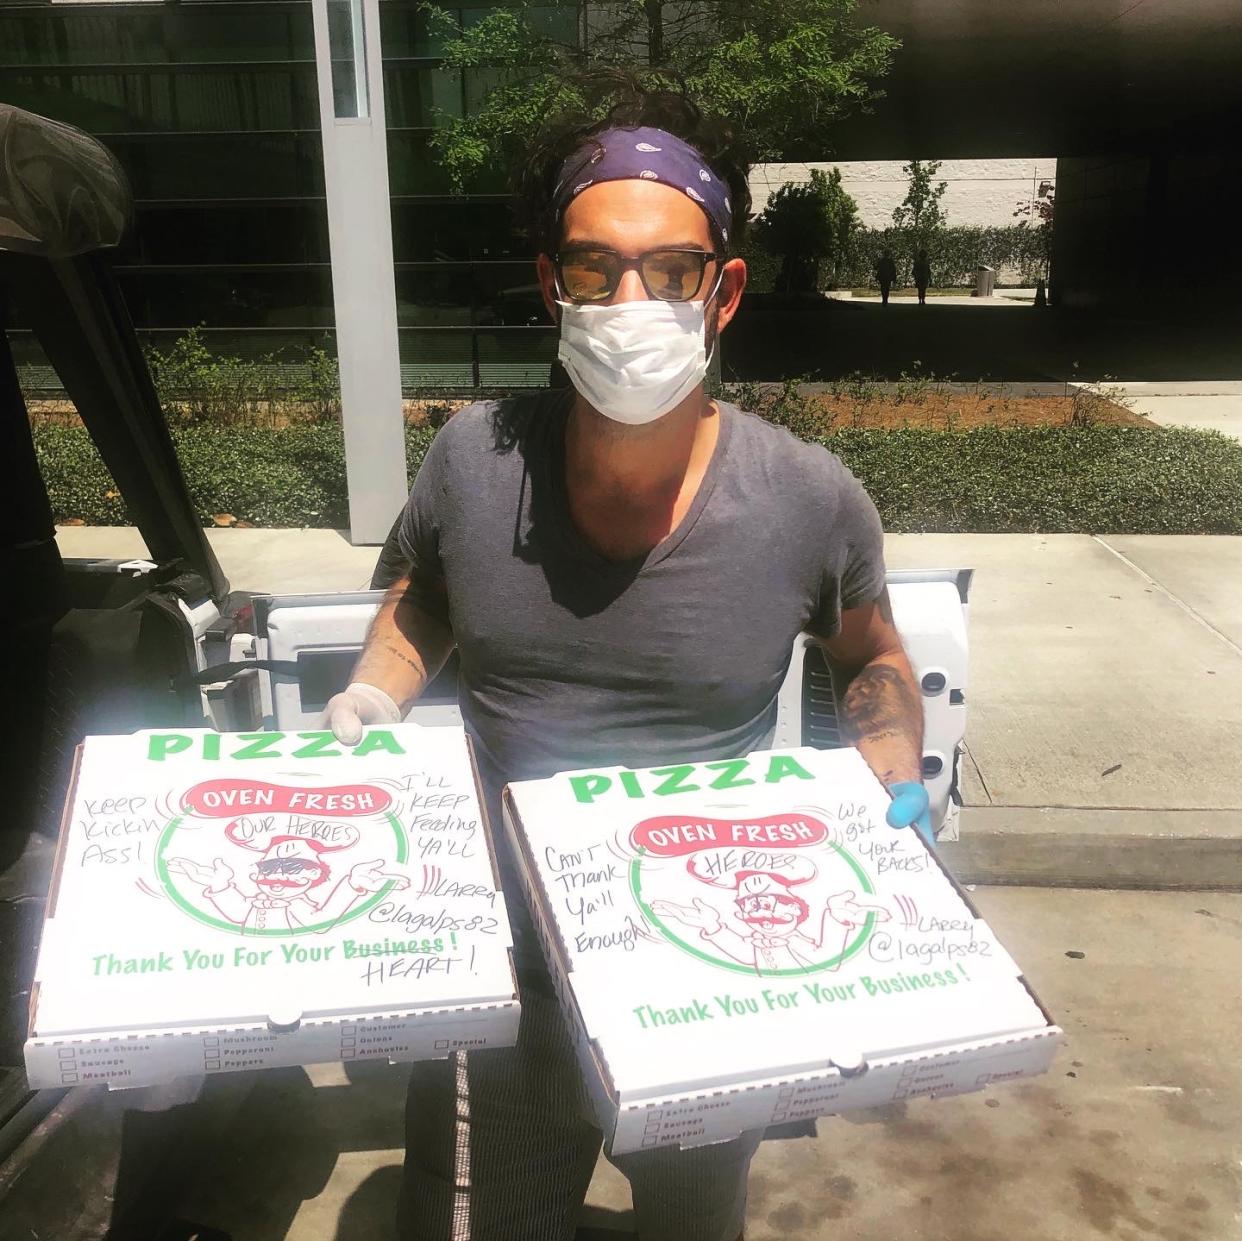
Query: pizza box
(226, 901)
(743, 943)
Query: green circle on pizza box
(274, 870)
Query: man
(922, 275)
(885, 274)
(623, 568)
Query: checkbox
(787, 1092)
(348, 1053)
(349, 1029)
(211, 1041)
(67, 1053)
(67, 1079)
(211, 1065)
(651, 1141)
(653, 1126)
(780, 1116)
(441, 1044)
(656, 1115)
(349, 1042)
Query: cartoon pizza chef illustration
(286, 877)
(774, 918)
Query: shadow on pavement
(369, 1212)
(245, 1167)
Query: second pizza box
(742, 943)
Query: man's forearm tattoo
(405, 659)
(880, 703)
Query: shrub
(197, 385)
(808, 226)
(292, 476)
(320, 384)
(1066, 479)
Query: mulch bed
(949, 411)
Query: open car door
(93, 646)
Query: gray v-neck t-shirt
(571, 661)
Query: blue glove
(911, 808)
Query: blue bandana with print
(645, 154)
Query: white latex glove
(357, 705)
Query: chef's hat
(288, 848)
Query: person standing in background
(922, 275)
(885, 274)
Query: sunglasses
(591, 275)
(285, 866)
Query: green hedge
(1096, 480)
(954, 254)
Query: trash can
(985, 281)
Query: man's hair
(625, 101)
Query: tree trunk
(655, 31)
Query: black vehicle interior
(91, 649)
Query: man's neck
(630, 487)
(649, 461)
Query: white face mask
(634, 361)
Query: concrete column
(355, 167)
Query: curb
(1088, 847)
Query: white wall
(982, 192)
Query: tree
(781, 71)
(920, 212)
(806, 225)
(1038, 214)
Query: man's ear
(732, 284)
(547, 286)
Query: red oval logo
(676, 836)
(225, 799)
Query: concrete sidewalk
(1104, 702)
(1208, 405)
(263, 561)
(1104, 707)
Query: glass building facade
(212, 108)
